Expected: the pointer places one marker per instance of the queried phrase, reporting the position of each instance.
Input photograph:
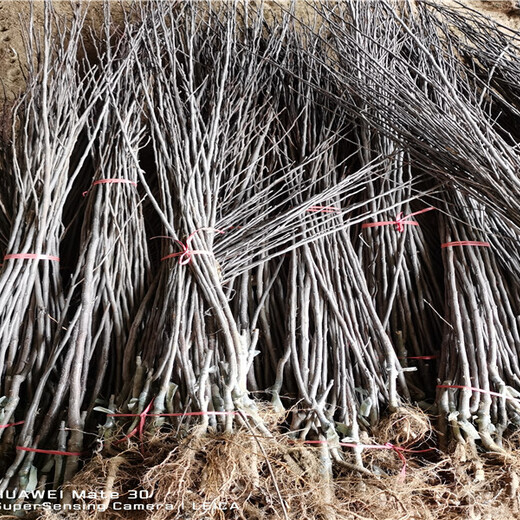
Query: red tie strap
(399, 222)
(479, 390)
(109, 181)
(144, 414)
(140, 427)
(11, 424)
(53, 452)
(31, 256)
(187, 252)
(399, 450)
(465, 243)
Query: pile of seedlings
(243, 248)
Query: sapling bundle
(490, 54)
(114, 244)
(198, 125)
(47, 124)
(392, 246)
(364, 55)
(399, 266)
(338, 359)
(109, 279)
(478, 368)
(431, 102)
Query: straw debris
(227, 476)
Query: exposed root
(228, 476)
(407, 426)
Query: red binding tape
(187, 252)
(465, 243)
(140, 427)
(479, 390)
(12, 424)
(186, 414)
(53, 452)
(399, 222)
(419, 357)
(144, 414)
(31, 256)
(387, 446)
(399, 450)
(110, 181)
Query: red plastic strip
(53, 452)
(187, 252)
(465, 243)
(479, 390)
(144, 414)
(31, 256)
(419, 357)
(399, 222)
(140, 427)
(388, 446)
(12, 424)
(110, 181)
(187, 414)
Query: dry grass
(217, 476)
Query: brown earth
(14, 17)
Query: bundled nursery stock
(216, 213)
